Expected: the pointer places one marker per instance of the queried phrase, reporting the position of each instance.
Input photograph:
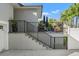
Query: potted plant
(14, 25)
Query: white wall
(20, 41)
(73, 38)
(6, 13)
(3, 36)
(74, 32)
(1, 40)
(72, 43)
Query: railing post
(54, 42)
(24, 26)
(37, 34)
(27, 27)
(50, 41)
(66, 43)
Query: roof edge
(20, 4)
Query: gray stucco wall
(28, 14)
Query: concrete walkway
(56, 34)
(36, 53)
(74, 54)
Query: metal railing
(31, 28)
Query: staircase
(38, 41)
(26, 36)
(24, 41)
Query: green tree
(51, 20)
(69, 13)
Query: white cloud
(45, 13)
(51, 14)
(55, 11)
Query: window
(1, 27)
(75, 22)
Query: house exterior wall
(6, 13)
(30, 15)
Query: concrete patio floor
(56, 52)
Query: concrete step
(38, 43)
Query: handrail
(49, 37)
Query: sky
(53, 10)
